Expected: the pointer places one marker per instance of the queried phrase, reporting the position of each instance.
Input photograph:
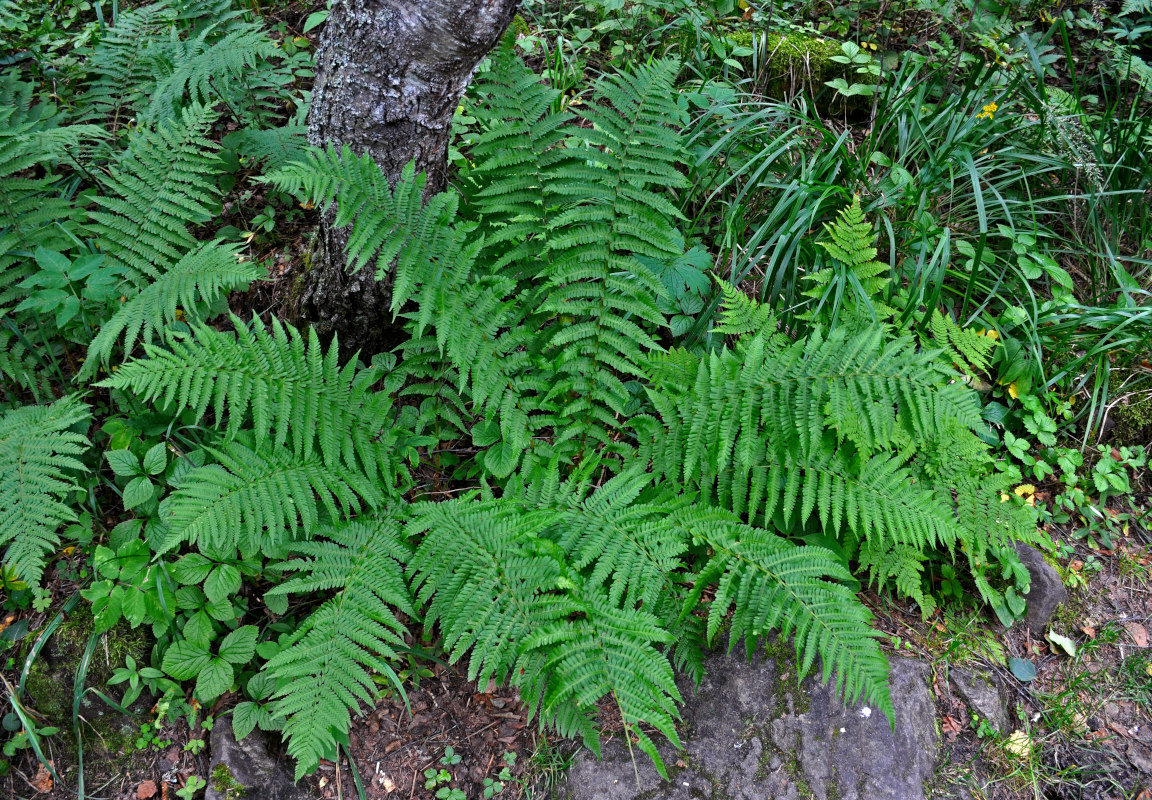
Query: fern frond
(188, 289)
(768, 584)
(855, 272)
(741, 315)
(38, 450)
(258, 498)
(298, 394)
(124, 64)
(607, 650)
(391, 224)
(21, 364)
(518, 153)
(486, 577)
(203, 66)
(165, 182)
(616, 210)
(969, 350)
(275, 148)
(325, 668)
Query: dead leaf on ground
(1138, 633)
(42, 783)
(1088, 631)
(1119, 729)
(145, 790)
(951, 726)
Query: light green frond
(164, 183)
(766, 584)
(299, 395)
(39, 454)
(326, 667)
(259, 498)
(189, 288)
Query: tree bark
(389, 76)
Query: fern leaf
(165, 182)
(38, 450)
(325, 668)
(299, 394)
(768, 584)
(188, 289)
(259, 498)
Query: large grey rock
(751, 733)
(246, 769)
(1047, 591)
(983, 697)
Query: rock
(246, 769)
(1047, 591)
(752, 733)
(983, 697)
(1140, 756)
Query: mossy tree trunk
(389, 76)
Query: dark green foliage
(164, 183)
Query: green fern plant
(323, 668)
(855, 273)
(634, 501)
(194, 283)
(40, 454)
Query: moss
(108, 736)
(1133, 422)
(225, 783)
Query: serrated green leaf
(222, 583)
(239, 646)
(215, 679)
(123, 463)
(138, 491)
(156, 459)
(185, 660)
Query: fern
(192, 285)
(20, 363)
(258, 499)
(766, 584)
(968, 349)
(298, 393)
(202, 70)
(274, 148)
(851, 245)
(518, 152)
(123, 64)
(38, 451)
(818, 430)
(164, 183)
(495, 587)
(323, 669)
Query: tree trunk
(389, 76)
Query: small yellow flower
(989, 111)
(1012, 391)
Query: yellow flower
(989, 111)
(1012, 391)
(1028, 492)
